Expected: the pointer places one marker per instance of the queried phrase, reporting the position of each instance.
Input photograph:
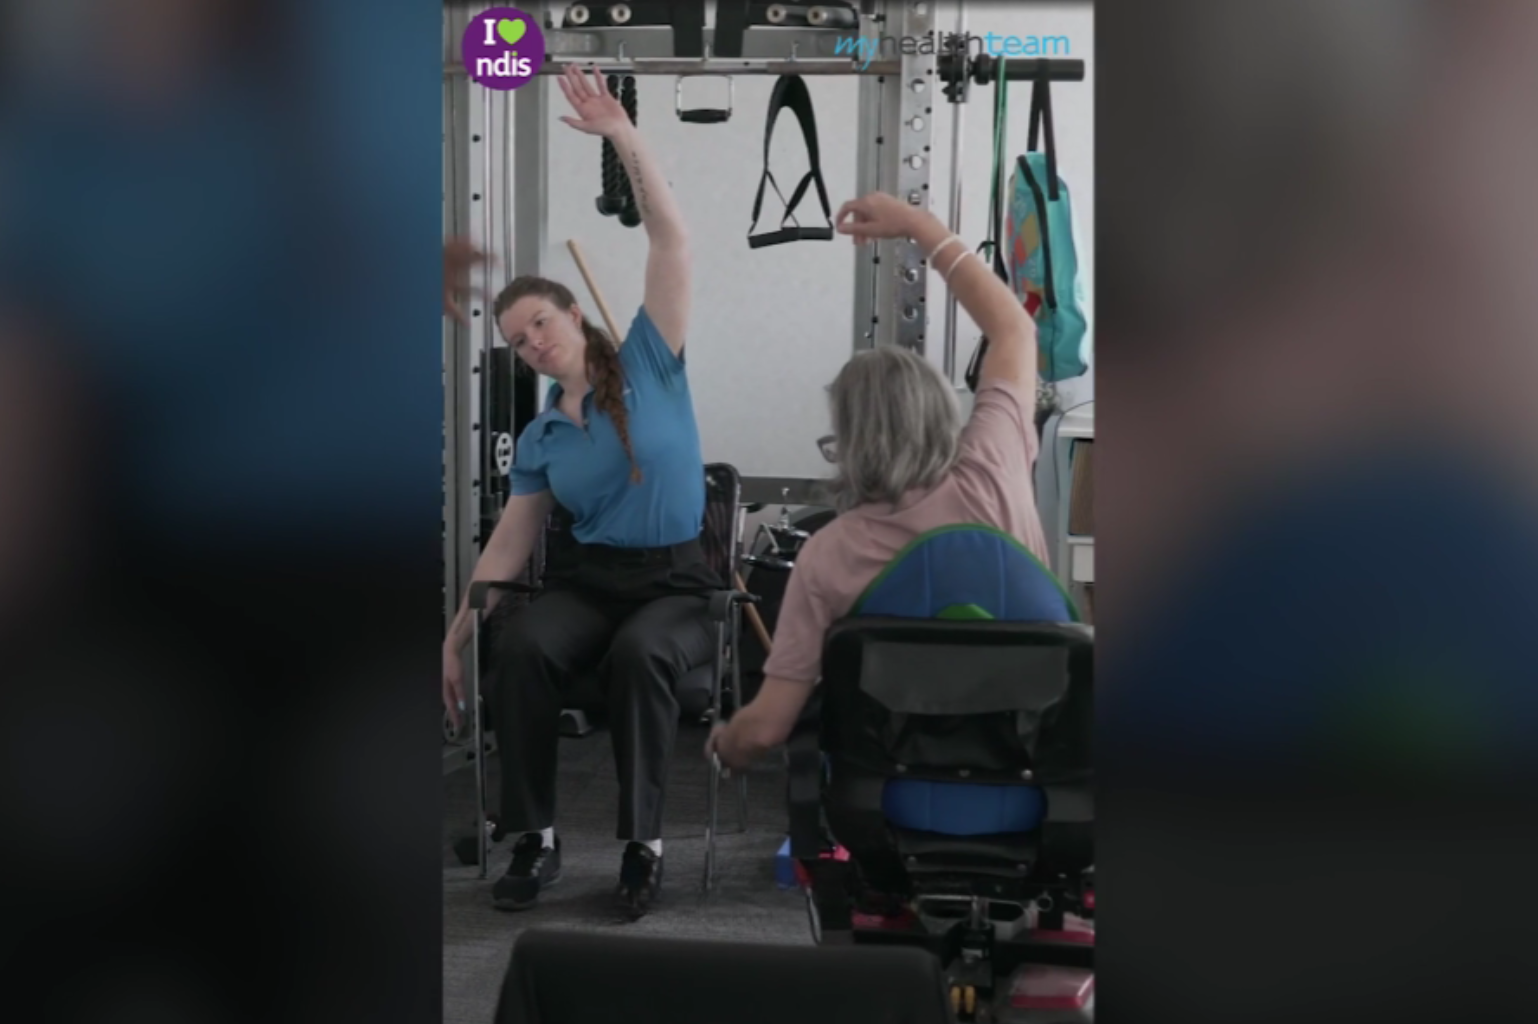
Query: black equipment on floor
(768, 572)
(557, 976)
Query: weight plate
(503, 453)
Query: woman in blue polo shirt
(618, 448)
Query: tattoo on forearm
(638, 186)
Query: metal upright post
(905, 160)
(503, 243)
(455, 364)
(470, 131)
(954, 220)
(919, 95)
(461, 396)
(868, 179)
(530, 165)
(530, 159)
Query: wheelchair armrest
(722, 601)
(480, 588)
(804, 792)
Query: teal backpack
(1037, 257)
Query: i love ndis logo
(503, 48)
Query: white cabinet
(1066, 437)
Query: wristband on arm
(943, 243)
(945, 275)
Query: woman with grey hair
(906, 465)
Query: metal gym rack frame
(486, 147)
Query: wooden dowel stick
(753, 617)
(592, 286)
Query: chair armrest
(722, 601)
(480, 588)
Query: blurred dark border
(1315, 364)
(1315, 511)
(220, 510)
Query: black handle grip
(785, 235)
(705, 115)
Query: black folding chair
(701, 693)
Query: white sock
(548, 836)
(654, 845)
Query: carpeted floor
(745, 905)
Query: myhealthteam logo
(503, 48)
(942, 44)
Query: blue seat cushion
(967, 571)
(962, 808)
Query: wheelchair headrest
(950, 667)
(958, 699)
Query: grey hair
(896, 427)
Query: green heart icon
(511, 30)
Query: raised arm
(668, 260)
(988, 301)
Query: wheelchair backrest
(964, 661)
(720, 535)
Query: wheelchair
(703, 694)
(941, 794)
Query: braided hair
(604, 370)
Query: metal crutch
(478, 591)
(713, 797)
(742, 778)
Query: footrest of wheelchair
(827, 887)
(1064, 993)
(790, 873)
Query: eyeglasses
(829, 447)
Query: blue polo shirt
(587, 471)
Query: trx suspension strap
(1041, 118)
(996, 204)
(790, 91)
(996, 201)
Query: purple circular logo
(503, 48)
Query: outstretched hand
(598, 111)
(718, 747)
(459, 256)
(876, 215)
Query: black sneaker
(534, 869)
(640, 880)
